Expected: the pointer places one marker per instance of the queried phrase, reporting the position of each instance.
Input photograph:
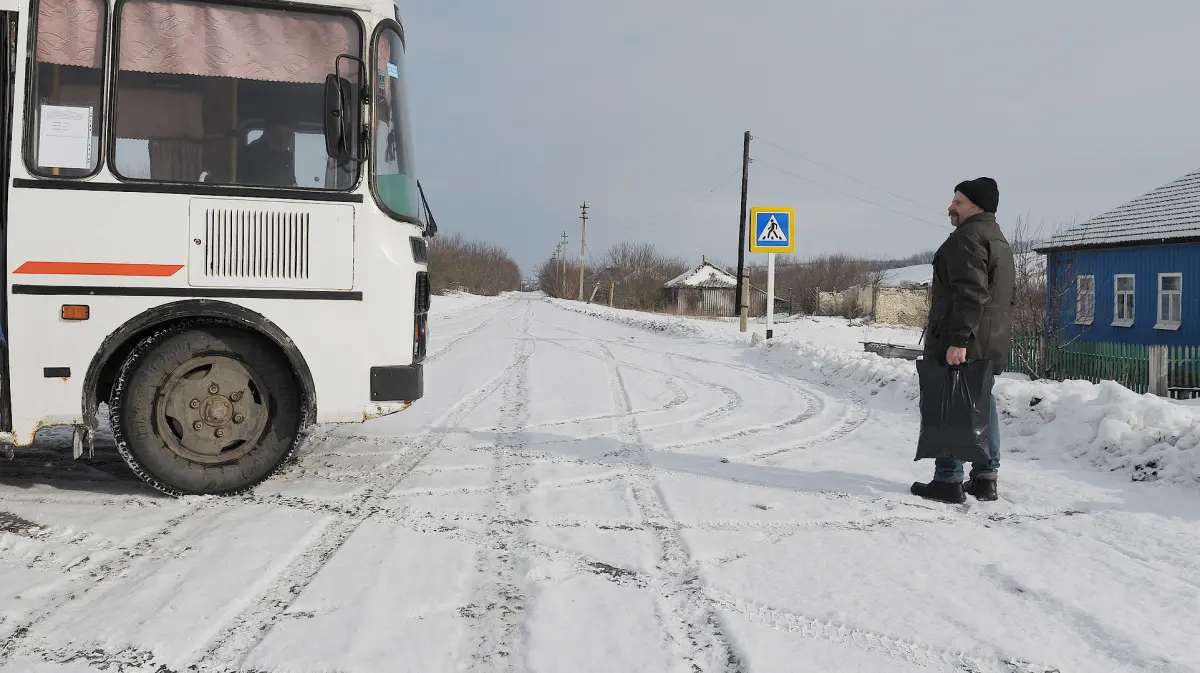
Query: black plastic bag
(955, 410)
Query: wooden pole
(582, 247)
(744, 311)
(739, 293)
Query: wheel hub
(212, 410)
(216, 411)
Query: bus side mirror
(345, 137)
(337, 127)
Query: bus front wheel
(205, 409)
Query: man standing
(970, 317)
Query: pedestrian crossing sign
(772, 229)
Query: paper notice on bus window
(65, 137)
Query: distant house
(704, 290)
(1130, 275)
(708, 290)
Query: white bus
(211, 224)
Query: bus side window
(208, 101)
(66, 94)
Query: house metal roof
(704, 276)
(1167, 214)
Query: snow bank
(1106, 425)
(648, 321)
(454, 302)
(835, 332)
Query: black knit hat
(983, 192)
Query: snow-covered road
(575, 494)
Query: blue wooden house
(1131, 275)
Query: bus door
(8, 23)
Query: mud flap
(79, 438)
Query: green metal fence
(1183, 371)
(1127, 364)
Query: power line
(686, 208)
(845, 175)
(856, 198)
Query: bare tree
(803, 280)
(1046, 302)
(457, 264)
(637, 272)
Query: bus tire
(203, 409)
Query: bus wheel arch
(119, 345)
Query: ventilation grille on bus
(420, 249)
(250, 244)
(422, 298)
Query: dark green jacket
(971, 301)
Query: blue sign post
(774, 231)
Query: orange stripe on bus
(99, 269)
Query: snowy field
(584, 489)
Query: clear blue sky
(522, 110)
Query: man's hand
(956, 356)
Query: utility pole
(582, 247)
(744, 298)
(562, 275)
(557, 265)
(738, 294)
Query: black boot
(983, 488)
(942, 491)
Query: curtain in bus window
(178, 160)
(69, 32)
(173, 124)
(185, 38)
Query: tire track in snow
(733, 399)
(231, 647)
(709, 600)
(866, 641)
(498, 604)
(855, 415)
(814, 404)
(698, 635)
(679, 395)
(99, 576)
(463, 334)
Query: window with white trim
(1170, 300)
(1123, 289)
(1085, 300)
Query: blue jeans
(952, 470)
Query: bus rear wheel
(205, 409)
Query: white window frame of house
(1085, 314)
(1164, 322)
(1118, 320)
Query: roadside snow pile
(837, 333)
(1107, 425)
(649, 321)
(455, 302)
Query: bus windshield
(393, 180)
